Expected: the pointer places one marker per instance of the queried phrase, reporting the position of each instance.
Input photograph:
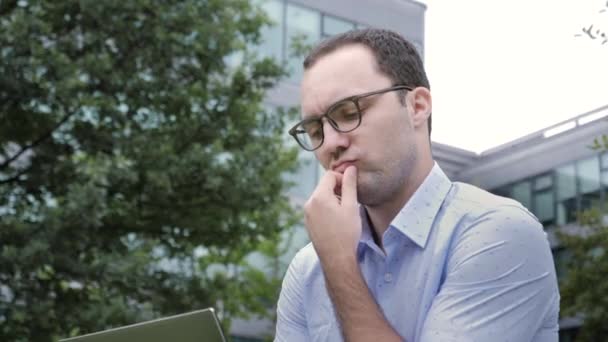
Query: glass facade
(303, 27)
(556, 197)
(333, 25)
(566, 194)
(272, 36)
(295, 25)
(588, 177)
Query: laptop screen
(196, 326)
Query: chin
(375, 190)
(367, 194)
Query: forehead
(347, 71)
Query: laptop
(196, 326)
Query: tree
(596, 31)
(138, 169)
(584, 287)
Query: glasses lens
(309, 134)
(345, 115)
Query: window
(303, 26)
(333, 25)
(565, 178)
(604, 158)
(543, 182)
(557, 197)
(504, 191)
(522, 192)
(588, 171)
(544, 207)
(272, 36)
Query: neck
(381, 216)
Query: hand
(333, 221)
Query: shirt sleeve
(499, 285)
(291, 322)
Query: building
(553, 172)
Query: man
(398, 251)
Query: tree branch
(36, 142)
(15, 177)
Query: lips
(341, 167)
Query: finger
(338, 186)
(327, 183)
(349, 186)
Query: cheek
(322, 157)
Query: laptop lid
(196, 326)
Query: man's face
(382, 147)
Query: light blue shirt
(461, 264)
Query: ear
(420, 105)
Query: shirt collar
(366, 234)
(415, 219)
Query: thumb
(349, 186)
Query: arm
(358, 313)
(334, 227)
(500, 283)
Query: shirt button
(388, 277)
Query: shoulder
(496, 230)
(498, 271)
(474, 205)
(477, 201)
(485, 218)
(305, 264)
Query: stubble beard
(375, 188)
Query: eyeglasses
(344, 116)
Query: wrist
(340, 261)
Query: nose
(334, 141)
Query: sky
(500, 70)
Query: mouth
(341, 167)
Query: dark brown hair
(396, 57)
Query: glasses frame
(355, 99)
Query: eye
(345, 111)
(314, 129)
(350, 116)
(315, 133)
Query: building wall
(554, 176)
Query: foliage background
(584, 286)
(139, 170)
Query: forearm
(360, 317)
